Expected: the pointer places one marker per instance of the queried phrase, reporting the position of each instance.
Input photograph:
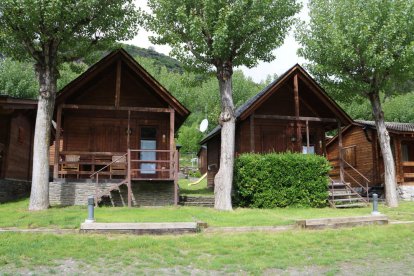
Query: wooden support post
(129, 178)
(172, 143)
(398, 159)
(129, 130)
(118, 84)
(252, 133)
(307, 137)
(57, 142)
(176, 178)
(297, 113)
(340, 153)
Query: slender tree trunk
(384, 140)
(223, 180)
(39, 196)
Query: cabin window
(349, 155)
(311, 149)
(148, 142)
(407, 151)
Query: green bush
(281, 180)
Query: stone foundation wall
(11, 189)
(406, 192)
(143, 193)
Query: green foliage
(65, 29)
(359, 47)
(397, 108)
(211, 32)
(281, 180)
(17, 79)
(199, 93)
(188, 138)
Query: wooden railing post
(129, 178)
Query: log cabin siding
(364, 151)
(19, 148)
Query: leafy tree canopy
(206, 33)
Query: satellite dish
(203, 125)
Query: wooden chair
(71, 168)
(119, 166)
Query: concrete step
(347, 199)
(141, 228)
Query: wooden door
(274, 139)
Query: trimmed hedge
(281, 180)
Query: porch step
(200, 201)
(341, 195)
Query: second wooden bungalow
(293, 113)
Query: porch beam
(57, 142)
(123, 108)
(294, 118)
(297, 114)
(118, 84)
(340, 153)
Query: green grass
(251, 253)
(195, 190)
(15, 214)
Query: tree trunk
(39, 196)
(384, 141)
(223, 180)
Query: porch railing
(166, 168)
(408, 177)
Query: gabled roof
(391, 126)
(253, 103)
(17, 102)
(394, 127)
(108, 60)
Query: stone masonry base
(149, 193)
(12, 189)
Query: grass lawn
(195, 190)
(15, 214)
(372, 250)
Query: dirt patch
(379, 267)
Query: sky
(286, 55)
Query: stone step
(341, 222)
(351, 205)
(347, 199)
(140, 228)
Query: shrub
(281, 180)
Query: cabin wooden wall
(18, 149)
(202, 160)
(4, 134)
(365, 160)
(213, 159)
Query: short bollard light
(91, 205)
(375, 211)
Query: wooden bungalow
(17, 117)
(362, 154)
(17, 120)
(293, 113)
(117, 126)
